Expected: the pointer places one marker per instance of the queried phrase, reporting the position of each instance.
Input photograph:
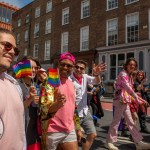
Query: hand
(97, 69)
(32, 92)
(79, 135)
(59, 102)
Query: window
(27, 18)
(65, 16)
(49, 6)
(131, 1)
(84, 38)
(112, 32)
(36, 30)
(116, 63)
(19, 22)
(111, 4)
(64, 0)
(26, 35)
(37, 12)
(4, 14)
(64, 42)
(85, 9)
(18, 38)
(132, 28)
(47, 50)
(8, 18)
(36, 50)
(48, 26)
(141, 60)
(25, 52)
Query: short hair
(81, 62)
(6, 31)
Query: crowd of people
(35, 115)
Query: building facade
(6, 12)
(108, 31)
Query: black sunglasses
(8, 46)
(81, 68)
(67, 65)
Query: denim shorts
(87, 124)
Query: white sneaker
(111, 146)
(142, 145)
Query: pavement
(123, 143)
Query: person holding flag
(61, 130)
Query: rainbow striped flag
(22, 69)
(53, 77)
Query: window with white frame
(116, 63)
(84, 38)
(65, 16)
(25, 52)
(131, 1)
(85, 9)
(141, 60)
(112, 32)
(27, 18)
(48, 26)
(19, 22)
(36, 50)
(111, 4)
(18, 38)
(132, 29)
(49, 6)
(36, 30)
(37, 12)
(47, 50)
(26, 35)
(64, 42)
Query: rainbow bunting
(53, 77)
(22, 69)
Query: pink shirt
(11, 114)
(63, 119)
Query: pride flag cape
(22, 69)
(53, 77)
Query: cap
(41, 70)
(67, 55)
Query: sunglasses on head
(8, 46)
(77, 67)
(67, 65)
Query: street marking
(125, 140)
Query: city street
(123, 142)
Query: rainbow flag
(53, 77)
(22, 69)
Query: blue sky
(18, 3)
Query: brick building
(6, 12)
(94, 30)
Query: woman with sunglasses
(31, 100)
(123, 97)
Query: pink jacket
(123, 87)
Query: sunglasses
(8, 46)
(67, 65)
(78, 67)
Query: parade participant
(12, 134)
(142, 109)
(31, 104)
(80, 81)
(61, 129)
(123, 93)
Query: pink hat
(67, 55)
